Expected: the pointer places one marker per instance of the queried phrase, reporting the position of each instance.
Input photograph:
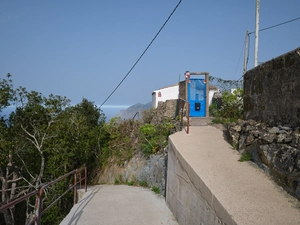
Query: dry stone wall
(270, 132)
(276, 149)
(272, 91)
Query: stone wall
(164, 111)
(138, 169)
(182, 87)
(274, 149)
(272, 91)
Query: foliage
(154, 138)
(46, 137)
(231, 109)
(120, 140)
(155, 190)
(245, 157)
(148, 115)
(41, 140)
(143, 183)
(6, 92)
(131, 183)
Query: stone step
(200, 121)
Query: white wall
(211, 95)
(164, 94)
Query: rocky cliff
(134, 110)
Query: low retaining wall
(188, 197)
(206, 184)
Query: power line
(239, 59)
(141, 54)
(279, 24)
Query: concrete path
(248, 195)
(120, 204)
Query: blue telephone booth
(197, 97)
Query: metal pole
(207, 94)
(85, 174)
(246, 52)
(256, 32)
(75, 188)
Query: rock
(274, 130)
(269, 137)
(236, 128)
(276, 150)
(241, 143)
(250, 128)
(285, 128)
(249, 139)
(266, 154)
(280, 138)
(152, 170)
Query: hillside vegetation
(46, 137)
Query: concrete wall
(164, 94)
(272, 91)
(188, 197)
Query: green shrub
(245, 157)
(143, 183)
(154, 138)
(231, 109)
(155, 190)
(148, 115)
(130, 183)
(117, 181)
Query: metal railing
(39, 211)
(184, 108)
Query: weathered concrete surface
(120, 204)
(206, 184)
(200, 121)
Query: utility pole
(256, 32)
(246, 52)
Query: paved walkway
(248, 195)
(120, 204)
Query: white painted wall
(164, 94)
(211, 95)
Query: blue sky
(83, 49)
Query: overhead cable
(279, 24)
(141, 54)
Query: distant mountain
(131, 111)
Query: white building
(163, 94)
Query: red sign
(159, 94)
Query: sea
(110, 111)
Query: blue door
(197, 97)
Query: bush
(154, 138)
(231, 108)
(155, 190)
(148, 115)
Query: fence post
(85, 181)
(75, 189)
(38, 206)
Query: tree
(29, 135)
(42, 139)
